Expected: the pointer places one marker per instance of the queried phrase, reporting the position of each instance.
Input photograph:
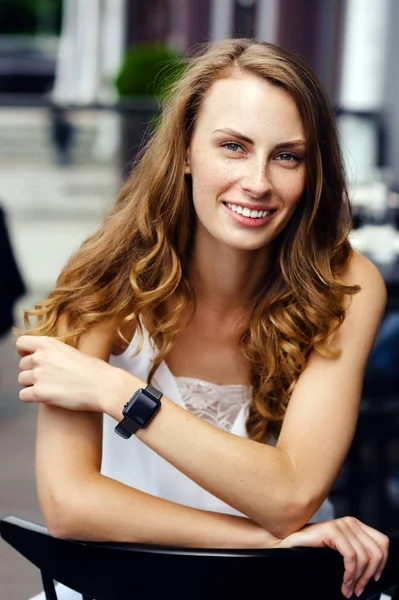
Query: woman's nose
(256, 181)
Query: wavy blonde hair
(138, 257)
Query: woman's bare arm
(78, 502)
(279, 488)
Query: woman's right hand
(364, 549)
(54, 373)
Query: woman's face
(247, 162)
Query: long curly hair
(138, 258)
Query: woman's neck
(226, 279)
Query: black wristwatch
(139, 411)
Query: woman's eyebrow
(244, 138)
(236, 134)
(292, 144)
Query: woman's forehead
(251, 105)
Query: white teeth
(246, 212)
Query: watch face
(141, 408)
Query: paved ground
(50, 210)
(18, 578)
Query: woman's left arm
(278, 487)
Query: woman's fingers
(339, 541)
(26, 378)
(371, 547)
(32, 349)
(383, 543)
(364, 549)
(55, 373)
(26, 395)
(369, 555)
(26, 344)
(329, 534)
(375, 555)
(26, 362)
(351, 580)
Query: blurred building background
(74, 105)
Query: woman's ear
(187, 168)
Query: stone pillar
(361, 91)
(221, 19)
(267, 21)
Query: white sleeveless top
(131, 462)
(134, 464)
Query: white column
(362, 85)
(266, 27)
(222, 19)
(90, 51)
(64, 84)
(111, 47)
(364, 54)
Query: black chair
(110, 571)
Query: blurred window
(29, 34)
(30, 17)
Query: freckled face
(247, 162)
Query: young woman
(224, 278)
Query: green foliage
(148, 70)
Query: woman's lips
(249, 221)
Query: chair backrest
(116, 571)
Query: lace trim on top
(216, 404)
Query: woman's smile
(248, 217)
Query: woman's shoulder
(103, 337)
(372, 294)
(360, 270)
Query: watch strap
(126, 428)
(153, 391)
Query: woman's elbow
(58, 528)
(291, 516)
(61, 520)
(63, 513)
